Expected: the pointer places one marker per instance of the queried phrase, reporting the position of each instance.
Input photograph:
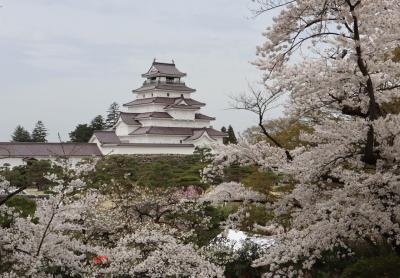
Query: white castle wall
(163, 94)
(169, 139)
(124, 129)
(146, 150)
(205, 141)
(157, 139)
(182, 114)
(19, 161)
(144, 108)
(175, 123)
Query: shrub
(24, 206)
(380, 266)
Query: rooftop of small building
(33, 149)
(106, 136)
(163, 69)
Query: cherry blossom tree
(147, 232)
(152, 251)
(83, 232)
(232, 192)
(44, 244)
(331, 57)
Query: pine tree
(231, 135)
(98, 123)
(113, 115)
(81, 134)
(225, 139)
(39, 133)
(21, 135)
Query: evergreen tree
(39, 133)
(81, 134)
(225, 139)
(21, 135)
(231, 135)
(98, 123)
(112, 115)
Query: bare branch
(10, 195)
(268, 5)
(259, 102)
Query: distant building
(163, 119)
(15, 153)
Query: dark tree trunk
(369, 156)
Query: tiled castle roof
(199, 116)
(164, 86)
(163, 69)
(107, 137)
(134, 118)
(163, 100)
(162, 130)
(158, 115)
(129, 118)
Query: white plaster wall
(158, 139)
(181, 114)
(125, 138)
(171, 94)
(144, 108)
(123, 129)
(18, 161)
(175, 123)
(13, 161)
(220, 140)
(157, 93)
(94, 140)
(205, 141)
(147, 150)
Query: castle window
(181, 95)
(167, 94)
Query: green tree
(21, 135)
(82, 133)
(231, 135)
(225, 139)
(39, 133)
(98, 123)
(285, 130)
(112, 115)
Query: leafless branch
(12, 194)
(268, 5)
(259, 102)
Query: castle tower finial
(154, 60)
(173, 62)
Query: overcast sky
(65, 61)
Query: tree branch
(9, 196)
